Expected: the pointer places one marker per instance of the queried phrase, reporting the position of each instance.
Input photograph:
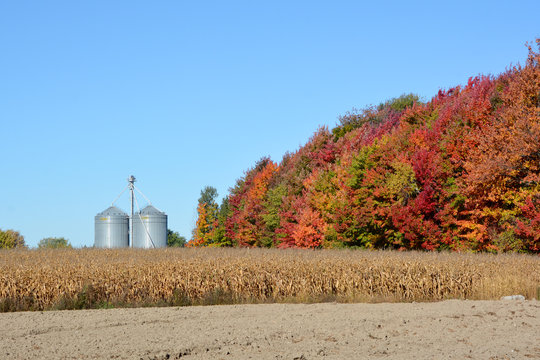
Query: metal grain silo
(111, 229)
(149, 228)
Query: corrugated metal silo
(111, 228)
(156, 228)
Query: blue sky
(187, 94)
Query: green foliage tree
(54, 243)
(271, 214)
(209, 195)
(219, 234)
(400, 103)
(371, 115)
(401, 183)
(174, 239)
(10, 239)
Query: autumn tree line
(458, 172)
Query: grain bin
(149, 228)
(111, 228)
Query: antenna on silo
(131, 186)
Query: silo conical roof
(113, 210)
(150, 210)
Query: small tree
(209, 195)
(201, 232)
(207, 211)
(174, 239)
(54, 243)
(10, 239)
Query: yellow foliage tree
(11, 239)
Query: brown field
(91, 278)
(452, 329)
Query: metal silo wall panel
(138, 239)
(99, 233)
(157, 229)
(111, 231)
(119, 233)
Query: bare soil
(442, 330)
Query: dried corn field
(48, 279)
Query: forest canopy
(460, 171)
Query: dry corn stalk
(140, 277)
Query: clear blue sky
(187, 94)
